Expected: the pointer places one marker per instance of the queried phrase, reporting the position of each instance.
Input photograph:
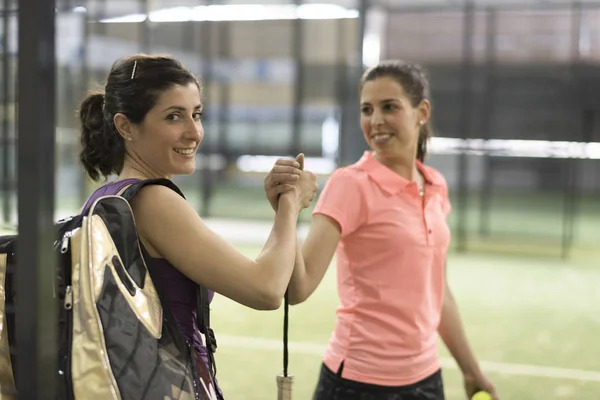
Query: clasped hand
(288, 177)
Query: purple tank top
(179, 290)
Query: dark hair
(132, 88)
(416, 85)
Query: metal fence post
(36, 324)
(465, 123)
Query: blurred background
(516, 111)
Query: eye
(198, 115)
(173, 117)
(366, 110)
(390, 107)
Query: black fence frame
(36, 327)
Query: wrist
(287, 201)
(472, 372)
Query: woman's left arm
(453, 334)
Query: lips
(185, 152)
(380, 138)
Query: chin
(184, 170)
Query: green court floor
(533, 323)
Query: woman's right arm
(340, 210)
(172, 228)
(313, 258)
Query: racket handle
(284, 387)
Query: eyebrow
(181, 108)
(382, 101)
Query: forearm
(277, 257)
(453, 334)
(296, 289)
(312, 258)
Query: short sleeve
(342, 199)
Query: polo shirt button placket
(428, 229)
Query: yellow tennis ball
(482, 396)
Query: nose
(377, 118)
(194, 130)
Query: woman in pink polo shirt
(385, 216)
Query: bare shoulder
(159, 199)
(159, 209)
(162, 215)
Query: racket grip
(284, 387)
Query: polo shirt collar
(390, 181)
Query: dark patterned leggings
(332, 386)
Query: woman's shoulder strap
(133, 190)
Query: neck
(137, 170)
(405, 166)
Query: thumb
(300, 160)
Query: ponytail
(103, 149)
(424, 135)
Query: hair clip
(134, 68)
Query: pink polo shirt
(390, 272)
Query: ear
(124, 127)
(423, 111)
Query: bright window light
(131, 18)
(330, 137)
(264, 164)
(371, 49)
(241, 12)
(325, 11)
(176, 14)
(494, 148)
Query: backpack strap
(203, 319)
(203, 307)
(134, 188)
(203, 323)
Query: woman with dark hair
(146, 124)
(386, 217)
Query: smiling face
(389, 121)
(166, 141)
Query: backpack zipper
(65, 251)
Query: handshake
(288, 178)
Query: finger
(277, 179)
(300, 160)
(285, 169)
(284, 187)
(281, 174)
(279, 189)
(268, 182)
(282, 178)
(287, 162)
